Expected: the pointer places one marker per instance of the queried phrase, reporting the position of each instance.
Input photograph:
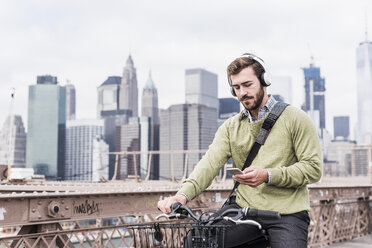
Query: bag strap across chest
(262, 135)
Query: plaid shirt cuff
(269, 176)
(187, 198)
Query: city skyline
(328, 31)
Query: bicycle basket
(176, 235)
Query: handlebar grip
(175, 206)
(250, 212)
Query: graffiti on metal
(87, 207)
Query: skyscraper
(108, 109)
(352, 159)
(314, 103)
(136, 137)
(80, 138)
(228, 107)
(70, 102)
(364, 92)
(185, 127)
(362, 158)
(127, 140)
(108, 97)
(341, 127)
(117, 102)
(150, 109)
(46, 128)
(46, 79)
(13, 142)
(201, 87)
(150, 101)
(129, 89)
(340, 151)
(100, 159)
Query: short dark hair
(243, 62)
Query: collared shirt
(262, 112)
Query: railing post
(100, 166)
(149, 168)
(369, 156)
(172, 167)
(98, 242)
(224, 172)
(135, 166)
(116, 167)
(185, 166)
(325, 222)
(363, 213)
(353, 167)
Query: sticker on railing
(2, 212)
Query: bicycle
(207, 230)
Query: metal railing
(358, 164)
(337, 214)
(151, 154)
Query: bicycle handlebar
(180, 211)
(175, 206)
(264, 214)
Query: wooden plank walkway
(361, 242)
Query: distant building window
(108, 97)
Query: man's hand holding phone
(234, 171)
(251, 176)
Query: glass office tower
(184, 127)
(364, 92)
(201, 87)
(70, 102)
(314, 103)
(45, 151)
(80, 138)
(341, 127)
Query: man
(288, 161)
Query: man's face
(248, 88)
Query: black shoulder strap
(262, 135)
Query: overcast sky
(85, 41)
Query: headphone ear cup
(231, 88)
(232, 91)
(264, 79)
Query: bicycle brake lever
(238, 216)
(249, 222)
(168, 216)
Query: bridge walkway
(361, 242)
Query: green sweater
(291, 153)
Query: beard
(257, 100)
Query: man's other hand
(165, 205)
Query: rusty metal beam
(338, 212)
(52, 201)
(46, 207)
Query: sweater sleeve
(210, 164)
(306, 146)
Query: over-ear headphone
(264, 78)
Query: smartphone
(234, 171)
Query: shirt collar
(263, 111)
